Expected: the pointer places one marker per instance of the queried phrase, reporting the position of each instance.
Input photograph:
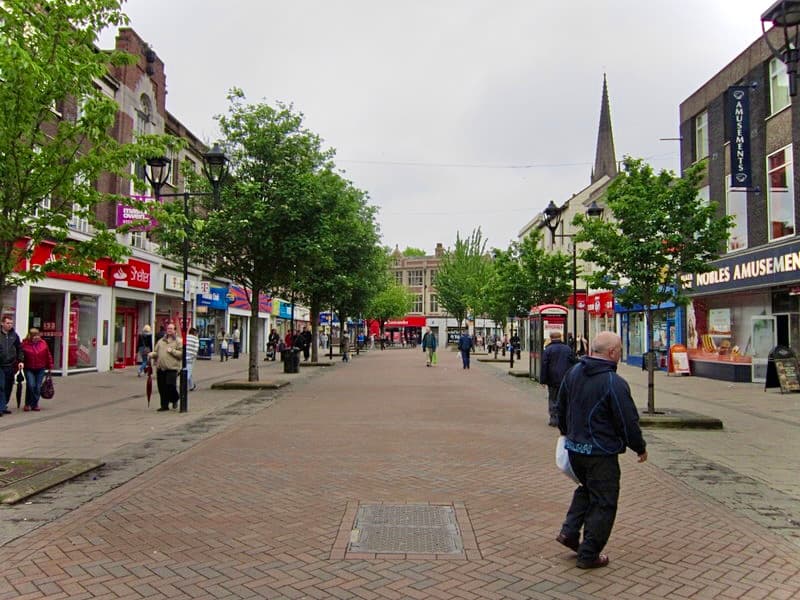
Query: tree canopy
(462, 275)
(660, 228)
(56, 135)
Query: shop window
(736, 207)
(47, 313)
(780, 193)
(701, 135)
(778, 86)
(82, 332)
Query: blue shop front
(667, 331)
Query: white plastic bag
(562, 459)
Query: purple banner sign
(130, 214)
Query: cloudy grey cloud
(452, 114)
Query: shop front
(634, 330)
(600, 308)
(241, 314)
(741, 310)
(405, 331)
(211, 316)
(133, 308)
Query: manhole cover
(405, 529)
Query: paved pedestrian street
(448, 476)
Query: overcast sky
(452, 114)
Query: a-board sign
(787, 374)
(679, 360)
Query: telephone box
(543, 320)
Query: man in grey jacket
(599, 419)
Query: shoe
(138, 373)
(174, 405)
(6, 412)
(601, 561)
(193, 388)
(552, 424)
(27, 408)
(162, 409)
(36, 409)
(571, 543)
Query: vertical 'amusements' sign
(739, 128)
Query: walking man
(167, 355)
(429, 346)
(557, 359)
(597, 415)
(192, 347)
(465, 345)
(10, 356)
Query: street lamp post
(552, 219)
(785, 15)
(158, 170)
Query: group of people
(30, 357)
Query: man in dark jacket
(465, 346)
(10, 357)
(557, 359)
(597, 415)
(305, 342)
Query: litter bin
(205, 349)
(291, 360)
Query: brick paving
(256, 510)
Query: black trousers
(167, 382)
(594, 503)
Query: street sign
(205, 287)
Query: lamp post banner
(738, 107)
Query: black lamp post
(785, 14)
(552, 219)
(215, 166)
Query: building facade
(744, 124)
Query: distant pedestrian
(305, 343)
(224, 344)
(10, 357)
(236, 340)
(272, 344)
(597, 415)
(192, 347)
(465, 346)
(168, 354)
(429, 345)
(323, 340)
(557, 359)
(38, 361)
(144, 346)
(345, 347)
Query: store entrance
(125, 337)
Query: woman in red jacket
(37, 360)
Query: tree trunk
(651, 363)
(252, 357)
(314, 310)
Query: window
(77, 221)
(143, 120)
(42, 207)
(778, 86)
(780, 193)
(434, 300)
(139, 239)
(398, 277)
(432, 276)
(701, 135)
(415, 277)
(417, 308)
(736, 207)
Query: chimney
(439, 252)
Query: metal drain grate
(405, 529)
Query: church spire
(605, 160)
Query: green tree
(51, 158)
(409, 251)
(462, 275)
(391, 302)
(263, 230)
(660, 229)
(339, 267)
(547, 275)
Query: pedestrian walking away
(224, 344)
(429, 347)
(168, 355)
(597, 415)
(465, 346)
(144, 346)
(10, 358)
(305, 343)
(557, 359)
(236, 340)
(38, 360)
(192, 348)
(345, 347)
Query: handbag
(48, 389)
(562, 459)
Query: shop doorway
(125, 333)
(763, 333)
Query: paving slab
(260, 508)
